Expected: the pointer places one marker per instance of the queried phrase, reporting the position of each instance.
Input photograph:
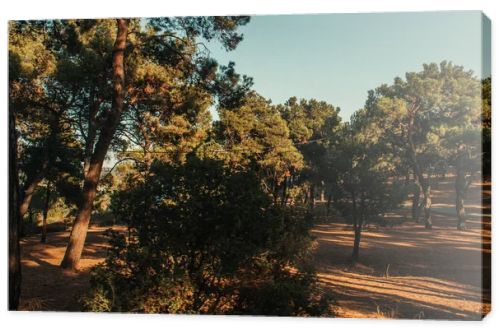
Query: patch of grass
(388, 313)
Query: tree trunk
(283, 195)
(461, 187)
(80, 226)
(357, 226)
(45, 213)
(461, 224)
(89, 148)
(29, 190)
(14, 219)
(329, 203)
(357, 241)
(427, 206)
(311, 197)
(415, 208)
(422, 182)
(33, 181)
(92, 131)
(407, 179)
(275, 191)
(30, 221)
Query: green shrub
(204, 239)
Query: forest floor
(44, 285)
(404, 271)
(407, 271)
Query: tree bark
(275, 191)
(461, 187)
(461, 216)
(421, 181)
(34, 180)
(29, 190)
(311, 197)
(79, 231)
(427, 206)
(45, 213)
(357, 226)
(14, 219)
(30, 221)
(92, 132)
(284, 195)
(329, 204)
(357, 241)
(415, 208)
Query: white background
(51, 322)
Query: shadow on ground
(47, 287)
(407, 271)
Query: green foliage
(440, 101)
(312, 125)
(366, 185)
(200, 235)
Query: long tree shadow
(42, 275)
(406, 270)
(370, 304)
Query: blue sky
(339, 57)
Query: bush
(204, 239)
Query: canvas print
(331, 165)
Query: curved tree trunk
(80, 226)
(29, 190)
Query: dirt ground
(44, 285)
(404, 271)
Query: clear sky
(339, 57)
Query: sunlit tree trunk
(79, 231)
(427, 206)
(461, 223)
